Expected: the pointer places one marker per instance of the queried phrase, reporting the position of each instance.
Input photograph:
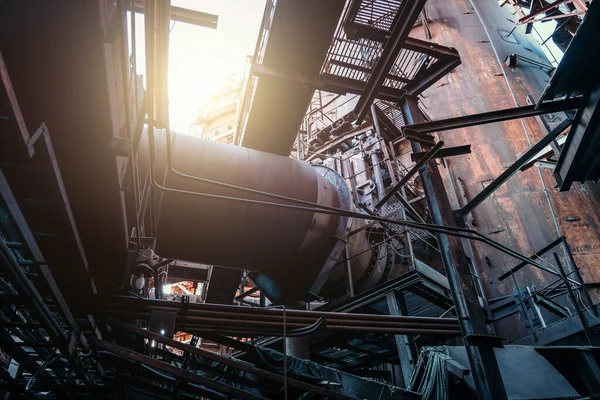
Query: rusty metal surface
(524, 213)
(289, 246)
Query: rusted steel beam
(185, 15)
(510, 171)
(543, 10)
(445, 152)
(413, 171)
(428, 76)
(534, 256)
(494, 116)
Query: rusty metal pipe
(296, 323)
(124, 303)
(305, 321)
(279, 332)
(289, 246)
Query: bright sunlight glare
(200, 59)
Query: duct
(294, 248)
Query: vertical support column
(297, 346)
(377, 174)
(482, 359)
(402, 343)
(349, 272)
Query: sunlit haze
(201, 58)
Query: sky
(201, 58)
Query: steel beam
(428, 76)
(185, 15)
(580, 151)
(494, 116)
(445, 152)
(405, 20)
(402, 343)
(536, 255)
(356, 30)
(342, 85)
(367, 70)
(510, 171)
(482, 359)
(542, 10)
(413, 171)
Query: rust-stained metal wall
(527, 212)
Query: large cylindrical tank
(287, 245)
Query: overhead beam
(579, 154)
(413, 171)
(366, 70)
(445, 152)
(534, 256)
(407, 16)
(327, 82)
(494, 116)
(510, 171)
(542, 10)
(427, 77)
(390, 126)
(381, 35)
(341, 85)
(185, 15)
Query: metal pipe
(306, 249)
(122, 302)
(226, 320)
(279, 332)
